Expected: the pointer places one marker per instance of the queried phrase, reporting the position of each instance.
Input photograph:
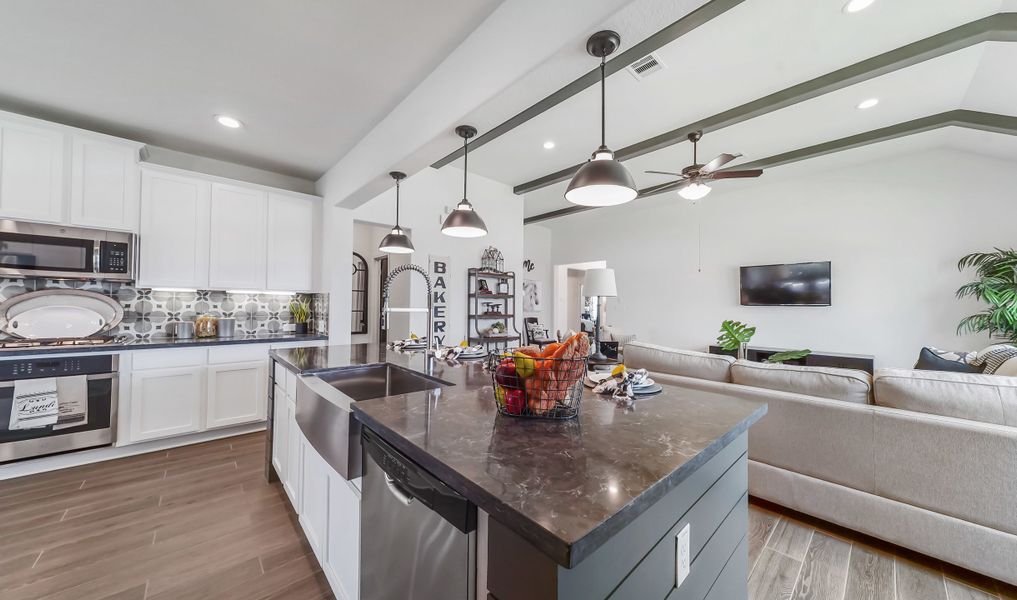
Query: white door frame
(561, 275)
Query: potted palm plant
(996, 286)
(301, 311)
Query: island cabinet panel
(639, 561)
(342, 560)
(279, 431)
(314, 494)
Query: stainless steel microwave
(58, 252)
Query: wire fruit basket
(546, 385)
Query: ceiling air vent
(646, 66)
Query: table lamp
(599, 283)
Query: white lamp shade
(600, 282)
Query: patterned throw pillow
(998, 359)
(934, 359)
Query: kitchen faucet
(386, 310)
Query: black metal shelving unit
(477, 320)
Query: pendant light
(396, 242)
(464, 222)
(602, 181)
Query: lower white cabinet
(236, 393)
(342, 556)
(166, 402)
(314, 496)
(294, 448)
(279, 430)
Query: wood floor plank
(790, 538)
(824, 570)
(761, 524)
(774, 576)
(212, 583)
(958, 591)
(870, 575)
(915, 582)
(136, 592)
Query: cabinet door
(314, 498)
(174, 231)
(294, 448)
(280, 429)
(166, 402)
(31, 173)
(238, 228)
(236, 394)
(342, 559)
(105, 184)
(290, 243)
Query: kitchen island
(607, 505)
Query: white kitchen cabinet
(279, 430)
(32, 184)
(294, 449)
(236, 393)
(342, 557)
(314, 497)
(174, 231)
(237, 257)
(166, 402)
(290, 243)
(105, 184)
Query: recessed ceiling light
(548, 145)
(854, 6)
(228, 121)
(868, 103)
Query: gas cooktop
(96, 340)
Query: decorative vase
(300, 328)
(743, 351)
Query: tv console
(862, 362)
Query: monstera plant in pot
(735, 335)
(996, 286)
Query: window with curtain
(358, 313)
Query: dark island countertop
(162, 342)
(567, 487)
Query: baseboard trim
(67, 460)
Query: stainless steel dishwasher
(417, 536)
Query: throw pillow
(998, 359)
(934, 359)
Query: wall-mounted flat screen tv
(799, 284)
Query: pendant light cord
(603, 101)
(397, 203)
(466, 142)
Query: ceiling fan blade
(736, 174)
(718, 162)
(663, 173)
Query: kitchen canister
(227, 327)
(183, 330)
(205, 326)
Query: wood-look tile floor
(198, 522)
(201, 523)
(790, 559)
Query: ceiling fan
(691, 184)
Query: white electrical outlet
(683, 557)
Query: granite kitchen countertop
(567, 486)
(156, 343)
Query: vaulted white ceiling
(309, 78)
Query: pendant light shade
(464, 222)
(396, 242)
(603, 181)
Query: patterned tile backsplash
(146, 312)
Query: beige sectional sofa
(926, 460)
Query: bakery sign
(438, 269)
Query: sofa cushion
(985, 398)
(687, 363)
(847, 385)
(934, 359)
(998, 359)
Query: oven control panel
(113, 257)
(55, 367)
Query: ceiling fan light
(396, 242)
(464, 222)
(602, 181)
(695, 191)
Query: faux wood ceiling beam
(1001, 27)
(968, 119)
(689, 22)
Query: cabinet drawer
(238, 353)
(166, 359)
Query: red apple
(515, 401)
(506, 376)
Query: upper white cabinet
(290, 243)
(238, 238)
(105, 183)
(174, 231)
(31, 172)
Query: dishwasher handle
(398, 492)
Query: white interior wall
(537, 249)
(893, 231)
(425, 196)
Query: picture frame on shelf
(482, 287)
